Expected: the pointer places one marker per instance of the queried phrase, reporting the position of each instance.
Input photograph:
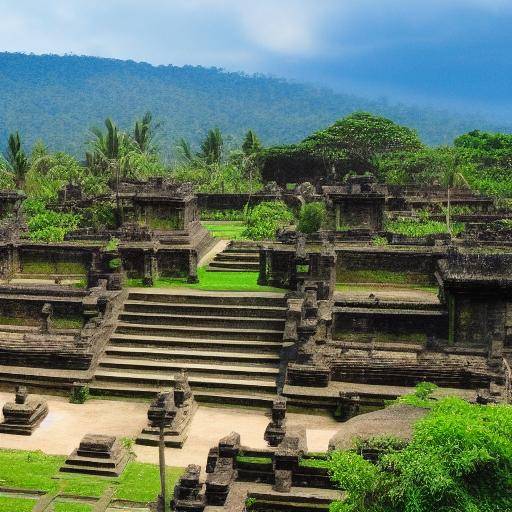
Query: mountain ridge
(58, 98)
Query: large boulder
(396, 420)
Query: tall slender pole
(161, 458)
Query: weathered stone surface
(23, 416)
(188, 495)
(97, 454)
(178, 407)
(396, 420)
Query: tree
(352, 144)
(18, 161)
(211, 147)
(143, 133)
(251, 144)
(459, 459)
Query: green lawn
(231, 230)
(16, 504)
(67, 506)
(35, 470)
(216, 281)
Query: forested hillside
(57, 98)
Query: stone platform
(98, 455)
(23, 416)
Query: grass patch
(347, 288)
(227, 230)
(67, 506)
(29, 470)
(223, 215)
(244, 459)
(35, 470)
(382, 276)
(418, 228)
(384, 337)
(16, 320)
(313, 463)
(69, 322)
(16, 504)
(214, 281)
(50, 268)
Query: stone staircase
(229, 343)
(236, 257)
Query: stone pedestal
(221, 469)
(97, 454)
(181, 407)
(23, 416)
(187, 492)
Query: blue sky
(449, 53)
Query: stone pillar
(147, 279)
(263, 276)
(192, 267)
(276, 429)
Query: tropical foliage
(265, 219)
(459, 460)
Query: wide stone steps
(200, 332)
(190, 309)
(220, 357)
(229, 344)
(227, 266)
(164, 379)
(210, 395)
(140, 340)
(192, 367)
(202, 320)
(218, 299)
(236, 258)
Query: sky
(446, 53)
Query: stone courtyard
(244, 362)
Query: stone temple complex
(357, 315)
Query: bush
(49, 225)
(459, 459)
(265, 219)
(79, 395)
(311, 217)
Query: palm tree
(452, 178)
(18, 161)
(211, 147)
(143, 133)
(106, 155)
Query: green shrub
(79, 395)
(380, 240)
(101, 215)
(459, 459)
(51, 226)
(265, 219)
(112, 244)
(223, 215)
(311, 217)
(419, 228)
(114, 263)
